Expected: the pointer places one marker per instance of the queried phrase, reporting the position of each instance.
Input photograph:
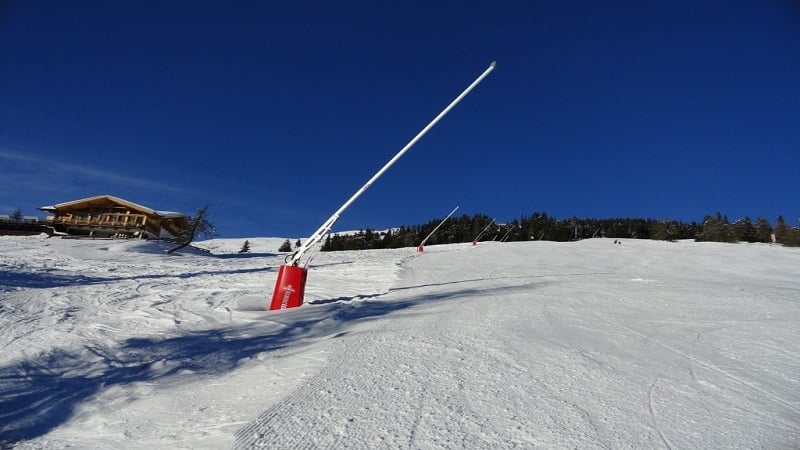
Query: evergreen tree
(744, 231)
(763, 230)
(298, 244)
(16, 216)
(388, 240)
(789, 236)
(727, 230)
(286, 246)
(664, 230)
(781, 230)
(794, 237)
(245, 247)
(411, 237)
(715, 229)
(372, 238)
(540, 226)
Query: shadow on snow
(40, 393)
(44, 280)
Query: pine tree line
(540, 226)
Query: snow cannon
(289, 287)
(480, 235)
(291, 282)
(421, 247)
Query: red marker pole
(290, 285)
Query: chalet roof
(110, 198)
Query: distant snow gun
(510, 229)
(480, 235)
(421, 246)
(291, 281)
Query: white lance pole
(505, 236)
(422, 244)
(323, 230)
(486, 228)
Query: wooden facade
(106, 216)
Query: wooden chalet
(106, 216)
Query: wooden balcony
(110, 220)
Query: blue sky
(276, 113)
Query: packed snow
(115, 344)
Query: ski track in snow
(435, 376)
(113, 344)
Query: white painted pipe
(328, 224)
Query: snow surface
(117, 345)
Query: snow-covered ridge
(257, 244)
(115, 344)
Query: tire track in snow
(653, 413)
(720, 371)
(375, 380)
(337, 406)
(410, 384)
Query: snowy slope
(113, 344)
